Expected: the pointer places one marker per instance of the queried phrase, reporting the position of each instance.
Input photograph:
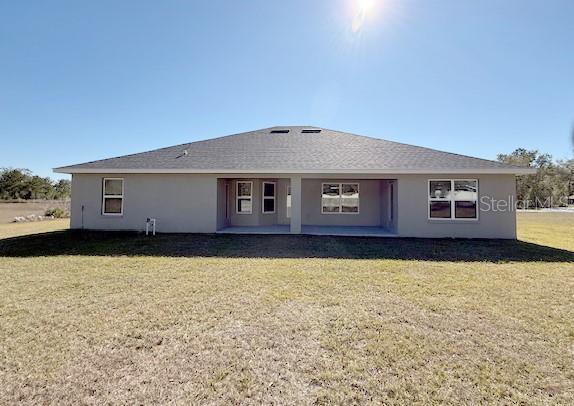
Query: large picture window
(340, 198)
(244, 194)
(113, 196)
(268, 204)
(453, 199)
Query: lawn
(121, 318)
(553, 229)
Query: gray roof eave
(387, 171)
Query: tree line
(550, 186)
(23, 184)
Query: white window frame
(105, 196)
(288, 207)
(263, 197)
(452, 201)
(237, 197)
(341, 197)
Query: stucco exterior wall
(180, 203)
(223, 206)
(389, 204)
(413, 218)
(256, 217)
(369, 204)
(193, 203)
(282, 186)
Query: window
(244, 193)
(113, 197)
(465, 198)
(340, 198)
(268, 197)
(453, 199)
(288, 202)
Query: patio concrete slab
(349, 231)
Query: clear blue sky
(84, 80)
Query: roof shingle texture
(264, 150)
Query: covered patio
(345, 206)
(347, 231)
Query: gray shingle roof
(264, 150)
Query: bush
(56, 212)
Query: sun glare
(365, 5)
(362, 9)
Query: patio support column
(296, 205)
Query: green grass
(120, 318)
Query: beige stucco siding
(180, 203)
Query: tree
(551, 184)
(13, 182)
(62, 189)
(37, 187)
(22, 184)
(567, 173)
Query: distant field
(120, 318)
(551, 229)
(9, 210)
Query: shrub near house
(56, 212)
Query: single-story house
(299, 180)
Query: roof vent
(311, 131)
(279, 131)
(184, 153)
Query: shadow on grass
(276, 246)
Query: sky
(85, 80)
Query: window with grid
(268, 204)
(113, 196)
(244, 197)
(340, 198)
(453, 199)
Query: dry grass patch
(11, 209)
(229, 327)
(552, 229)
(21, 229)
